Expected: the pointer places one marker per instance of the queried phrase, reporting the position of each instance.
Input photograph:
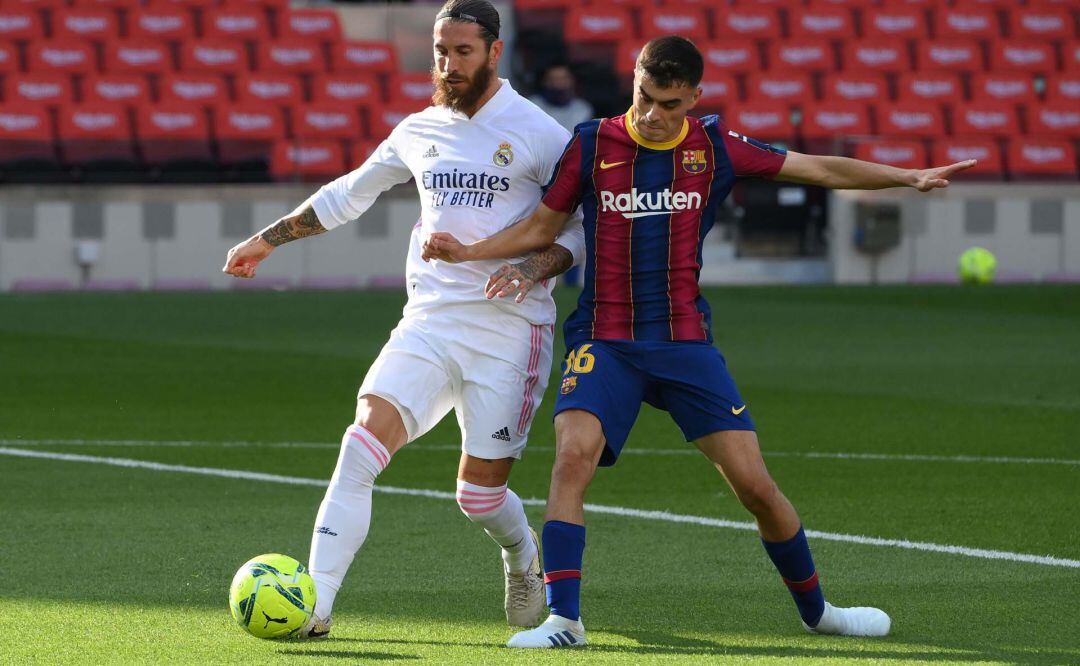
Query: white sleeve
(572, 237)
(349, 196)
(550, 151)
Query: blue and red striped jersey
(647, 207)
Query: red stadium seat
(359, 151)
(25, 134)
(930, 86)
(95, 132)
(718, 89)
(598, 24)
(1032, 156)
(339, 122)
(320, 25)
(1004, 88)
(986, 119)
(310, 161)
(827, 120)
(138, 57)
(1056, 119)
(766, 87)
(749, 21)
(9, 58)
(384, 118)
(246, 133)
(47, 88)
(173, 24)
(170, 133)
(802, 54)
(127, 89)
(1043, 22)
(901, 153)
(219, 56)
(373, 57)
(969, 21)
(829, 22)
(357, 90)
(291, 57)
(281, 89)
(896, 21)
(1023, 55)
(413, 89)
(197, 6)
(88, 23)
(194, 90)
(236, 22)
(957, 149)
(272, 5)
(20, 23)
(687, 21)
(626, 53)
(59, 56)
(952, 55)
(1070, 56)
(765, 121)
(877, 54)
(735, 56)
(855, 87)
(910, 120)
(1063, 88)
(105, 4)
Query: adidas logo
(432, 152)
(503, 434)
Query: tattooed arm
(242, 259)
(517, 279)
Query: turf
(116, 565)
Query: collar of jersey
(654, 145)
(497, 102)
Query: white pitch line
(688, 451)
(664, 516)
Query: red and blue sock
(564, 547)
(792, 559)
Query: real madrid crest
(693, 161)
(504, 156)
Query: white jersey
(475, 176)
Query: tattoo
(289, 228)
(547, 263)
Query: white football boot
(316, 627)
(525, 592)
(858, 621)
(555, 632)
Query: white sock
(500, 512)
(345, 514)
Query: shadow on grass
(356, 655)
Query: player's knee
(760, 495)
(573, 467)
(479, 502)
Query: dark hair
(480, 12)
(672, 60)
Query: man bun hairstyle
(671, 60)
(480, 12)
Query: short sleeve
(563, 191)
(750, 157)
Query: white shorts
(489, 366)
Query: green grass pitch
(107, 564)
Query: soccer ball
(272, 596)
(977, 266)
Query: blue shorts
(689, 380)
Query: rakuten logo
(212, 56)
(60, 58)
(250, 122)
(748, 23)
(822, 23)
(153, 23)
(894, 23)
(892, 155)
(987, 119)
(1066, 88)
(309, 155)
(13, 23)
(140, 56)
(946, 55)
(802, 55)
(117, 90)
(756, 120)
(85, 24)
(856, 90)
(39, 90)
(881, 56)
(958, 153)
(363, 56)
(932, 88)
(967, 22)
(911, 120)
(287, 56)
(189, 90)
(1043, 154)
(781, 88)
(837, 119)
(727, 57)
(95, 121)
(636, 204)
(172, 121)
(602, 23)
(1037, 23)
(1060, 119)
(1006, 88)
(269, 89)
(342, 90)
(1022, 56)
(327, 121)
(675, 23)
(14, 122)
(236, 23)
(309, 24)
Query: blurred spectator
(557, 96)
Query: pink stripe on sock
(479, 502)
(380, 454)
(501, 491)
(487, 509)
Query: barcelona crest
(568, 384)
(694, 161)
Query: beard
(461, 100)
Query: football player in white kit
(480, 156)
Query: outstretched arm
(535, 232)
(244, 257)
(843, 173)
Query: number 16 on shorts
(578, 362)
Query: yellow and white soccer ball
(977, 266)
(272, 596)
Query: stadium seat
(314, 25)
(824, 123)
(384, 118)
(174, 134)
(910, 120)
(9, 58)
(1045, 22)
(108, 4)
(213, 56)
(357, 90)
(365, 57)
(1017, 88)
(129, 89)
(787, 88)
(95, 24)
(246, 133)
(1064, 88)
(957, 149)
(981, 118)
(20, 23)
(895, 22)
(825, 21)
(1023, 55)
(735, 56)
(46, 88)
(290, 57)
(1070, 56)
(1054, 119)
(902, 153)
(966, 21)
(747, 21)
(26, 137)
(1042, 158)
(718, 89)
(59, 56)
(687, 21)
(855, 87)
(327, 121)
(598, 24)
(626, 53)
(138, 57)
(279, 89)
(933, 86)
(236, 22)
(96, 136)
(804, 54)
(172, 24)
(951, 55)
(359, 151)
(413, 89)
(765, 121)
(195, 91)
(878, 54)
(307, 161)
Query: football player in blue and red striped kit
(649, 184)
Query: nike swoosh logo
(738, 411)
(606, 165)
